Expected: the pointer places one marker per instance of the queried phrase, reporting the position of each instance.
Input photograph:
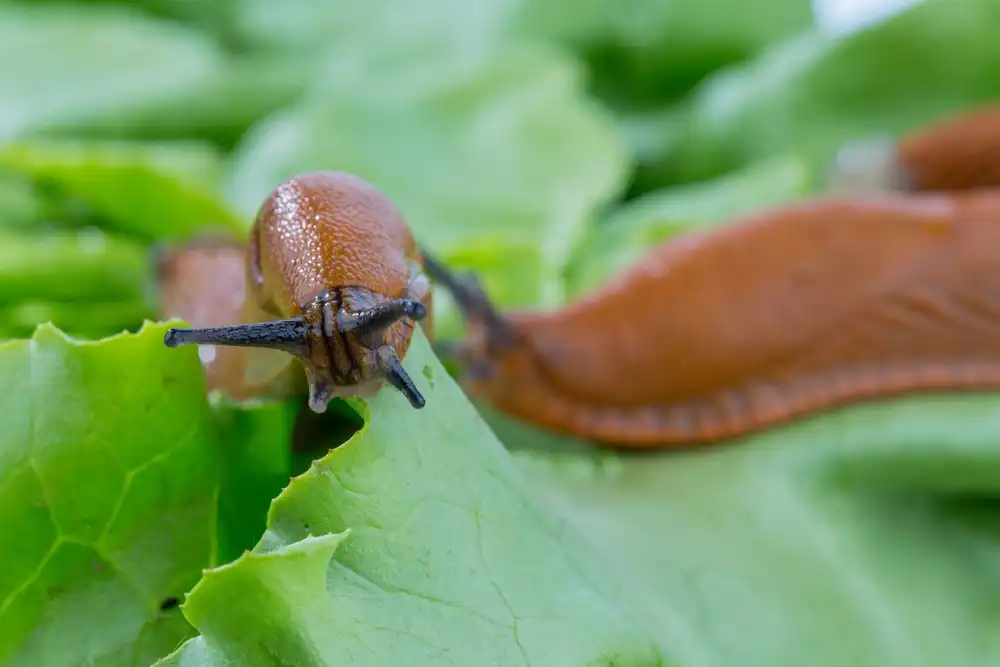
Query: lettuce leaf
(109, 488)
(370, 558)
(816, 91)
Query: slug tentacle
(381, 316)
(471, 299)
(319, 393)
(290, 334)
(397, 376)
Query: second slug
(724, 332)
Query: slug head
(491, 357)
(349, 339)
(869, 166)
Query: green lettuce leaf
(109, 488)
(78, 64)
(815, 92)
(256, 463)
(658, 49)
(73, 267)
(867, 535)
(632, 230)
(81, 319)
(20, 205)
(225, 104)
(497, 154)
(654, 49)
(369, 558)
(149, 190)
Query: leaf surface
(868, 535)
(81, 63)
(108, 497)
(369, 558)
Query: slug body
(334, 270)
(724, 332)
(960, 152)
(203, 283)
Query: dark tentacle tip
(397, 376)
(415, 310)
(399, 379)
(416, 399)
(173, 338)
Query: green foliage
(154, 191)
(641, 51)
(369, 558)
(108, 497)
(68, 65)
(547, 145)
(85, 265)
(255, 450)
(864, 536)
(812, 93)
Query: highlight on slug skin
(500, 333)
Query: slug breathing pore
(337, 270)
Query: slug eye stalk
(289, 335)
(471, 299)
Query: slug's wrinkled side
(330, 256)
(960, 152)
(721, 333)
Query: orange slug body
(204, 283)
(333, 277)
(326, 230)
(957, 153)
(961, 152)
(728, 331)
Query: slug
(727, 331)
(959, 152)
(203, 282)
(334, 279)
